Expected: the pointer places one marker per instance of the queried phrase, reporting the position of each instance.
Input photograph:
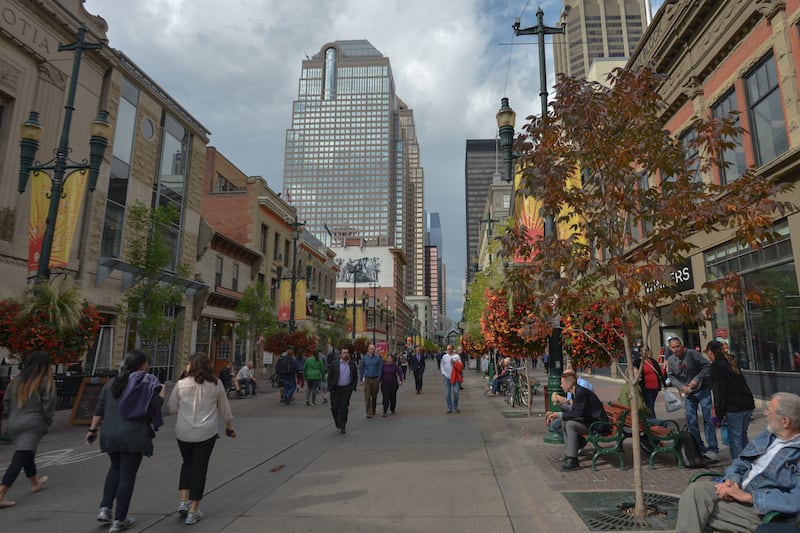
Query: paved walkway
(290, 470)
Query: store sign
(682, 277)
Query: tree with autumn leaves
(629, 200)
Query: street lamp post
(555, 350)
(31, 132)
(353, 269)
(374, 312)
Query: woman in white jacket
(199, 399)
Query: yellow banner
(360, 319)
(69, 209)
(300, 300)
(285, 300)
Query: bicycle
(519, 387)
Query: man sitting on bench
(586, 409)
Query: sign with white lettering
(682, 277)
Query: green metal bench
(773, 516)
(660, 438)
(610, 444)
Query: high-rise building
(480, 166)
(597, 29)
(351, 165)
(434, 268)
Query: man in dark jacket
(417, 364)
(342, 381)
(586, 409)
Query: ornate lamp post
(31, 133)
(293, 277)
(555, 352)
(354, 269)
(374, 312)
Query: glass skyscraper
(351, 165)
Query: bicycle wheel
(523, 390)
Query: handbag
(672, 401)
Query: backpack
(282, 366)
(689, 449)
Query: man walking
(450, 389)
(689, 371)
(370, 374)
(417, 365)
(342, 381)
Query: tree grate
(605, 511)
(521, 414)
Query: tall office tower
(351, 165)
(597, 29)
(480, 166)
(434, 273)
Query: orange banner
(69, 209)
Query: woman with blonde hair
(30, 402)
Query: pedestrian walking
(733, 401)
(199, 400)
(451, 388)
(370, 376)
(342, 381)
(689, 371)
(129, 410)
(404, 363)
(417, 364)
(391, 379)
(30, 401)
(313, 370)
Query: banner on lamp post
(285, 300)
(300, 300)
(69, 209)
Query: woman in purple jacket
(391, 378)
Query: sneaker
(458, 410)
(325, 400)
(183, 508)
(193, 517)
(121, 525)
(308, 403)
(104, 515)
(315, 403)
(711, 456)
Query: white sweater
(198, 406)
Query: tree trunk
(633, 386)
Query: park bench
(611, 443)
(660, 438)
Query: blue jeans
(450, 393)
(649, 398)
(289, 387)
(738, 423)
(701, 398)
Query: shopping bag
(672, 400)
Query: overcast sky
(235, 64)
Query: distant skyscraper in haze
(434, 267)
(480, 166)
(351, 164)
(597, 29)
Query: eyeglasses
(768, 412)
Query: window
(221, 184)
(111, 240)
(692, 153)
(732, 163)
(218, 272)
(275, 248)
(172, 178)
(235, 280)
(767, 123)
(263, 241)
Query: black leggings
(21, 459)
(195, 466)
(120, 479)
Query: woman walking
(199, 399)
(391, 379)
(313, 370)
(733, 400)
(129, 410)
(649, 379)
(30, 401)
